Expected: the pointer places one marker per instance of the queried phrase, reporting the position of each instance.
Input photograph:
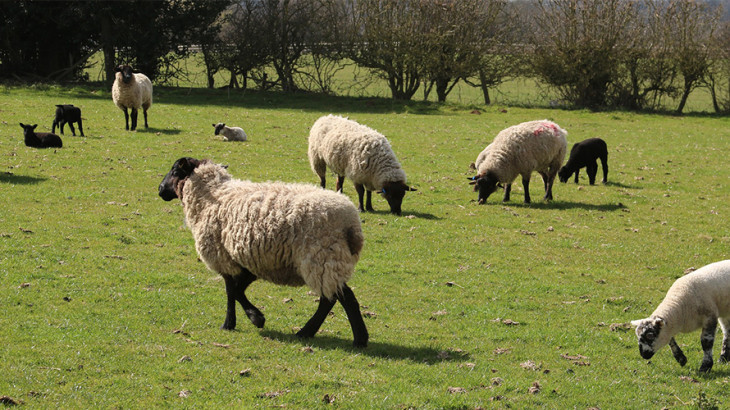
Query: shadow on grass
(10, 178)
(419, 215)
(382, 350)
(564, 205)
(152, 130)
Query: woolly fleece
(353, 150)
(288, 234)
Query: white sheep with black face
(520, 150)
(699, 299)
(287, 234)
(360, 153)
(230, 133)
(131, 90)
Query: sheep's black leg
(708, 340)
(360, 193)
(604, 165)
(352, 308)
(81, 128)
(235, 290)
(340, 182)
(314, 323)
(145, 118)
(73, 131)
(507, 190)
(322, 181)
(526, 186)
(677, 352)
(126, 119)
(577, 171)
(548, 186)
(592, 170)
(61, 126)
(369, 201)
(725, 352)
(134, 119)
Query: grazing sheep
(698, 299)
(519, 150)
(360, 153)
(230, 133)
(40, 139)
(132, 90)
(585, 154)
(288, 234)
(68, 114)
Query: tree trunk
(685, 95)
(484, 87)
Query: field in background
(105, 303)
(353, 82)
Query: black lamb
(68, 114)
(40, 139)
(585, 154)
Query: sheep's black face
(218, 128)
(563, 174)
(393, 192)
(485, 185)
(126, 72)
(28, 130)
(181, 170)
(648, 331)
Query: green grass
(102, 291)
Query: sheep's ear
(410, 189)
(188, 164)
(34, 125)
(637, 323)
(117, 69)
(21, 124)
(499, 184)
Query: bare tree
(386, 37)
(579, 46)
(718, 80)
(692, 28)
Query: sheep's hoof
(304, 334)
(706, 367)
(228, 326)
(360, 344)
(257, 320)
(682, 360)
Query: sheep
(288, 234)
(360, 153)
(131, 90)
(519, 150)
(698, 299)
(230, 133)
(585, 154)
(68, 114)
(40, 139)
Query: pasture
(105, 303)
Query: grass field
(105, 303)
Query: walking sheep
(132, 90)
(698, 299)
(360, 153)
(585, 154)
(67, 114)
(519, 150)
(288, 234)
(230, 133)
(40, 139)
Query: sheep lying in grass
(288, 234)
(230, 133)
(40, 139)
(68, 114)
(132, 90)
(360, 153)
(585, 154)
(698, 299)
(519, 150)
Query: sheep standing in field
(132, 90)
(519, 150)
(288, 234)
(585, 154)
(68, 114)
(698, 299)
(40, 139)
(230, 133)
(360, 153)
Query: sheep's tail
(355, 240)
